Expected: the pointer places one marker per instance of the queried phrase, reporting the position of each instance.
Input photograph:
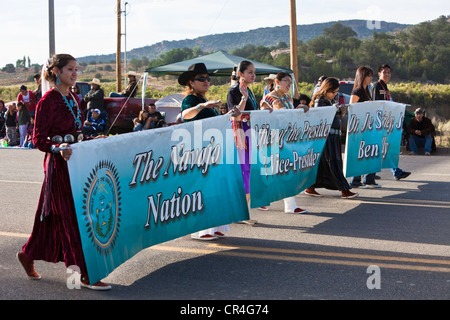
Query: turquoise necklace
(252, 100)
(285, 100)
(70, 106)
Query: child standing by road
(23, 120)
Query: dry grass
(442, 133)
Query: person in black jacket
(95, 96)
(421, 131)
(2, 119)
(380, 91)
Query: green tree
(339, 32)
(9, 68)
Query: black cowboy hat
(193, 70)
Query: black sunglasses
(203, 79)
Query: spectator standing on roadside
(269, 87)
(2, 119)
(23, 120)
(38, 91)
(27, 97)
(380, 91)
(11, 125)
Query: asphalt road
(389, 243)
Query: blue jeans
(418, 141)
(116, 95)
(396, 172)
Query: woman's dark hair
(242, 66)
(141, 116)
(330, 84)
(361, 73)
(59, 61)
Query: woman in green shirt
(195, 106)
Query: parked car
(84, 87)
(120, 117)
(345, 91)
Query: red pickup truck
(124, 122)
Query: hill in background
(269, 36)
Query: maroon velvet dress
(55, 235)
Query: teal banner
(286, 146)
(135, 190)
(374, 132)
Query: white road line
(15, 181)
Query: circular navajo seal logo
(101, 205)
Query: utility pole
(51, 27)
(294, 50)
(119, 53)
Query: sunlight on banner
(139, 189)
(286, 147)
(373, 140)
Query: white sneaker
(205, 237)
(297, 210)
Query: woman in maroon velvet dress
(55, 235)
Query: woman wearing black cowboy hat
(195, 106)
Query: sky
(89, 27)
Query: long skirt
(56, 237)
(244, 155)
(330, 172)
